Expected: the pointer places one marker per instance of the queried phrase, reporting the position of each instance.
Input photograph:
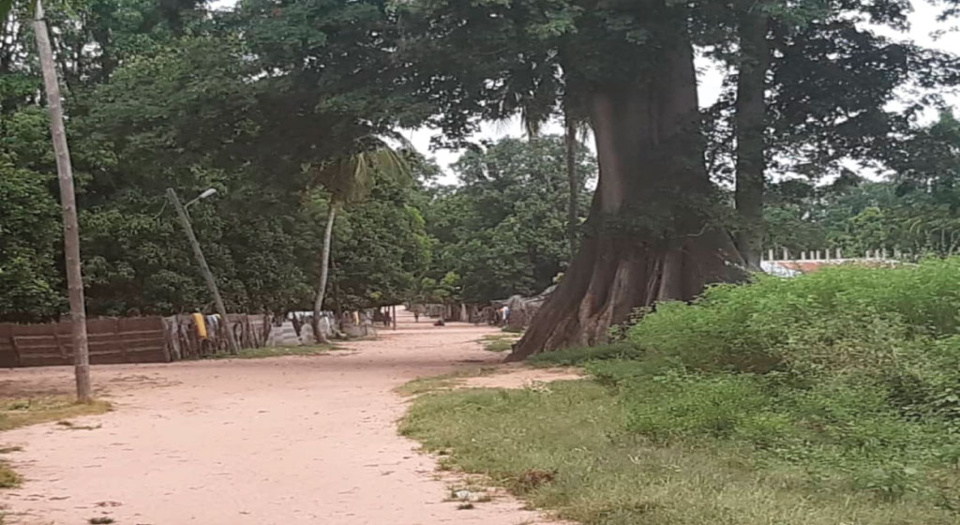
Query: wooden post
(71, 228)
(786, 254)
(204, 269)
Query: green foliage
(503, 228)
(915, 210)
(29, 239)
(836, 389)
(379, 247)
(173, 95)
(849, 374)
(840, 317)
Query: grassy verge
(601, 473)
(21, 412)
(499, 342)
(426, 385)
(276, 351)
(832, 398)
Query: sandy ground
(282, 441)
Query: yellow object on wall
(201, 324)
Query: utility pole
(68, 202)
(204, 269)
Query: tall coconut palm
(348, 179)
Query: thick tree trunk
(750, 125)
(573, 197)
(324, 273)
(650, 235)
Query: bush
(898, 325)
(850, 375)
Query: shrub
(851, 375)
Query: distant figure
(416, 316)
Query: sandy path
(284, 441)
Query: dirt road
(282, 441)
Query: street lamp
(204, 269)
(206, 193)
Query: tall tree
(652, 233)
(502, 229)
(350, 179)
(750, 110)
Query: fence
(126, 340)
(159, 339)
(250, 331)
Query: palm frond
(350, 178)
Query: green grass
(831, 398)
(276, 351)
(9, 479)
(609, 474)
(20, 412)
(499, 342)
(425, 385)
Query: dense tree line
(281, 105)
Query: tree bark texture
(573, 197)
(324, 273)
(68, 202)
(650, 235)
(750, 126)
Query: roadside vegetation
(23, 411)
(829, 398)
(276, 351)
(18, 412)
(499, 342)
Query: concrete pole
(204, 269)
(68, 202)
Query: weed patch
(276, 351)
(499, 342)
(21, 412)
(9, 479)
(426, 385)
(589, 467)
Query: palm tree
(348, 179)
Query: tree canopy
(263, 100)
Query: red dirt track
(280, 441)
